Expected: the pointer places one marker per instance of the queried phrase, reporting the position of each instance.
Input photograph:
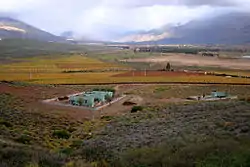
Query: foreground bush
(208, 154)
(11, 156)
(24, 139)
(61, 134)
(136, 109)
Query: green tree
(80, 101)
(108, 98)
(168, 67)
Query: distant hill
(17, 48)
(231, 28)
(67, 34)
(12, 48)
(12, 28)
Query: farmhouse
(91, 99)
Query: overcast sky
(105, 18)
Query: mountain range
(12, 28)
(233, 28)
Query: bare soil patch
(32, 97)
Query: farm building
(213, 96)
(210, 54)
(246, 57)
(91, 99)
(219, 94)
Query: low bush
(96, 153)
(107, 118)
(5, 123)
(24, 139)
(214, 154)
(66, 151)
(76, 144)
(136, 109)
(61, 134)
(13, 156)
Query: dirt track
(191, 60)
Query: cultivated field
(77, 69)
(196, 60)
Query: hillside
(13, 48)
(11, 28)
(231, 28)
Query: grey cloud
(9, 14)
(105, 17)
(210, 2)
(220, 3)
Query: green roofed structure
(213, 96)
(219, 94)
(91, 99)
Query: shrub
(6, 123)
(81, 101)
(136, 109)
(107, 118)
(96, 153)
(108, 98)
(76, 144)
(15, 156)
(61, 134)
(71, 129)
(168, 67)
(66, 151)
(214, 154)
(248, 99)
(24, 139)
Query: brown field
(156, 74)
(31, 97)
(191, 60)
